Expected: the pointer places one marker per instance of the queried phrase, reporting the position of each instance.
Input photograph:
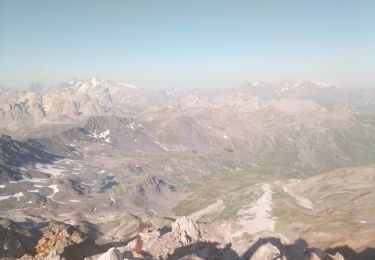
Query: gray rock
(111, 254)
(52, 255)
(187, 230)
(267, 252)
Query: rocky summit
(183, 240)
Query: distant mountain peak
(37, 87)
(94, 81)
(3, 89)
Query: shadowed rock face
(15, 154)
(155, 185)
(133, 168)
(18, 153)
(76, 185)
(40, 241)
(17, 240)
(11, 244)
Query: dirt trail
(215, 207)
(288, 189)
(257, 216)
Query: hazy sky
(187, 44)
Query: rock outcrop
(57, 238)
(186, 230)
(111, 254)
(183, 240)
(15, 241)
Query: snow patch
(103, 135)
(17, 196)
(54, 187)
(36, 190)
(133, 126)
(34, 180)
(128, 85)
(161, 146)
(58, 201)
(50, 169)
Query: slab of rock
(267, 252)
(111, 254)
(187, 230)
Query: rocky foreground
(184, 239)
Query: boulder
(52, 255)
(187, 230)
(111, 254)
(267, 252)
(57, 237)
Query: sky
(187, 43)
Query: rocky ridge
(185, 239)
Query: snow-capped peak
(94, 81)
(127, 85)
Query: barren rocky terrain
(272, 162)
